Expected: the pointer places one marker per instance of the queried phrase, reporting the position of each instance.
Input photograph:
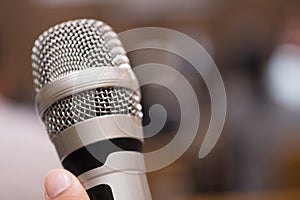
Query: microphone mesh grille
(90, 104)
(73, 46)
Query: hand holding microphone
(89, 100)
(62, 185)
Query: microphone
(89, 100)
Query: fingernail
(56, 183)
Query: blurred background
(256, 46)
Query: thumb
(62, 185)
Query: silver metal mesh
(90, 104)
(73, 46)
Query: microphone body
(89, 100)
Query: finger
(62, 185)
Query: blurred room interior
(256, 46)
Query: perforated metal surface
(89, 104)
(73, 46)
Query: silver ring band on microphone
(83, 80)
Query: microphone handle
(120, 186)
(111, 169)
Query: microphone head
(74, 47)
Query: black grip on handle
(94, 155)
(100, 192)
